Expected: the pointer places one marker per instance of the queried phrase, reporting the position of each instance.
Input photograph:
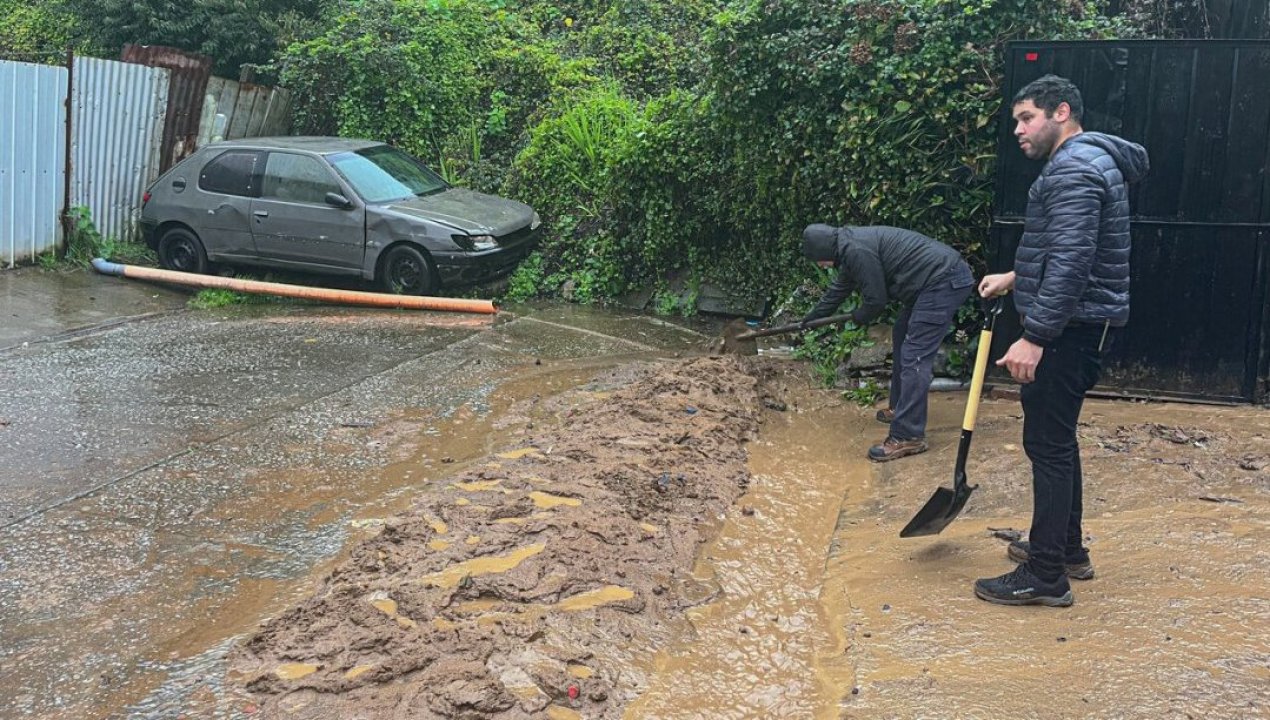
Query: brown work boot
(886, 415)
(893, 449)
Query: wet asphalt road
(170, 476)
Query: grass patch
(212, 298)
(85, 242)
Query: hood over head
(1130, 157)
(820, 242)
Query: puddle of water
(482, 486)
(295, 671)
(581, 672)
(555, 712)
(477, 606)
(595, 598)
(547, 501)
(387, 606)
(520, 453)
(451, 576)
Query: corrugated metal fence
(120, 135)
(118, 111)
(188, 74)
(32, 158)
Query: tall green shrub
(839, 111)
(404, 71)
(564, 172)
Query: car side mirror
(339, 201)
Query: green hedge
(686, 139)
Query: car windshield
(383, 173)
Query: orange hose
(345, 297)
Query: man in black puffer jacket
(1071, 282)
(884, 264)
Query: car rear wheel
(180, 249)
(408, 271)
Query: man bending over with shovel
(928, 277)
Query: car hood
(467, 210)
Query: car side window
(232, 173)
(297, 178)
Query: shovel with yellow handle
(944, 506)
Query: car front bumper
(469, 268)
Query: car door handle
(261, 213)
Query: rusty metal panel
(117, 121)
(32, 159)
(186, 90)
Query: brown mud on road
(531, 585)
(701, 539)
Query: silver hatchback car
(332, 205)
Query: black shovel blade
(942, 508)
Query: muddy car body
(335, 206)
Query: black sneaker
(1020, 549)
(1021, 587)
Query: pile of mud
(531, 585)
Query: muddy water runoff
(825, 612)
(818, 609)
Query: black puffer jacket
(1073, 261)
(883, 263)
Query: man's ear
(1063, 112)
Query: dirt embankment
(530, 585)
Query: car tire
(406, 270)
(181, 250)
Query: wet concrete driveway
(171, 477)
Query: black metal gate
(1200, 266)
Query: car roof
(314, 144)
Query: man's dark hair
(1048, 92)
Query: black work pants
(1069, 367)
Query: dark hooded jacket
(1072, 264)
(884, 263)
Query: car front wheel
(181, 250)
(407, 271)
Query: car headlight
(476, 243)
(533, 224)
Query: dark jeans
(1051, 407)
(914, 341)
